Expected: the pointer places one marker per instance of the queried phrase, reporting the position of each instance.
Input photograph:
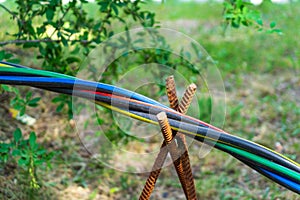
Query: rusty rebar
(160, 159)
(171, 146)
(168, 145)
(173, 100)
(171, 92)
(153, 176)
(185, 160)
(181, 162)
(187, 98)
(186, 176)
(189, 179)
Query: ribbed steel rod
(154, 174)
(184, 158)
(180, 158)
(171, 144)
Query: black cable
(146, 110)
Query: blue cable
(126, 93)
(290, 183)
(111, 88)
(95, 85)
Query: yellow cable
(184, 131)
(156, 123)
(5, 65)
(155, 106)
(152, 122)
(292, 161)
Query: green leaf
(5, 158)
(24, 152)
(8, 55)
(275, 30)
(73, 59)
(22, 110)
(6, 88)
(23, 161)
(272, 24)
(13, 60)
(41, 152)
(57, 99)
(16, 152)
(64, 41)
(5, 148)
(60, 107)
(30, 45)
(76, 50)
(39, 162)
(17, 135)
(49, 14)
(229, 16)
(32, 139)
(278, 31)
(103, 6)
(41, 30)
(115, 9)
(28, 96)
(34, 102)
(2, 54)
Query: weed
(28, 155)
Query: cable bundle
(269, 163)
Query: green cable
(240, 152)
(262, 161)
(36, 72)
(246, 154)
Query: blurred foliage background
(256, 49)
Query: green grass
(186, 10)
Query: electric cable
(269, 163)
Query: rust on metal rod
(187, 98)
(156, 169)
(171, 92)
(173, 99)
(182, 165)
(159, 161)
(165, 126)
(186, 176)
(185, 160)
(171, 146)
(189, 179)
(153, 176)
